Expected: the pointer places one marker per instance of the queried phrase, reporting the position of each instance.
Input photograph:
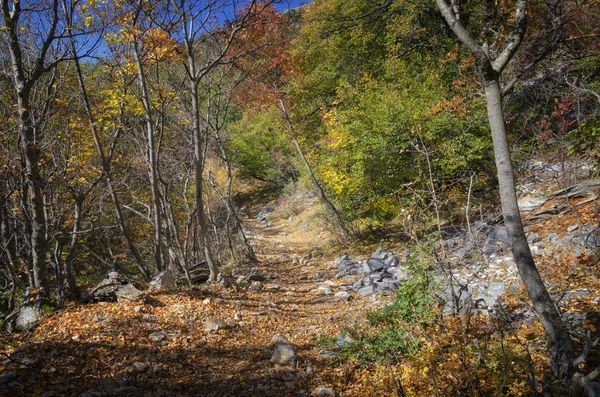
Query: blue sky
(290, 4)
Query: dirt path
(160, 348)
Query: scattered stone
(265, 212)
(366, 291)
(256, 276)
(342, 296)
(323, 290)
(214, 324)
(403, 274)
(140, 366)
(533, 238)
(237, 316)
(342, 340)
(496, 240)
(323, 391)
(158, 336)
(256, 286)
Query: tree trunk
(151, 158)
(105, 161)
(199, 142)
(560, 344)
(336, 218)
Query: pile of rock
(383, 271)
(116, 287)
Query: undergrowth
(407, 348)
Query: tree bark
(560, 345)
(151, 158)
(28, 136)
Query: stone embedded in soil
(342, 295)
(366, 291)
(214, 324)
(158, 336)
(284, 354)
(323, 391)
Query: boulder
(116, 288)
(376, 264)
(163, 280)
(284, 354)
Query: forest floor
(160, 347)
(106, 348)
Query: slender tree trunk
(105, 162)
(226, 198)
(336, 218)
(31, 152)
(560, 344)
(151, 158)
(199, 142)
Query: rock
(392, 271)
(7, 377)
(116, 288)
(237, 316)
(163, 280)
(572, 228)
(489, 293)
(284, 354)
(324, 290)
(140, 366)
(461, 252)
(214, 324)
(256, 286)
(256, 276)
(392, 261)
(124, 391)
(366, 269)
(366, 291)
(342, 295)
(496, 240)
(375, 264)
(552, 237)
(323, 391)
(158, 336)
(107, 384)
(128, 293)
(265, 212)
(528, 204)
(199, 272)
(533, 238)
(403, 274)
(28, 317)
(342, 340)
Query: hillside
(161, 346)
